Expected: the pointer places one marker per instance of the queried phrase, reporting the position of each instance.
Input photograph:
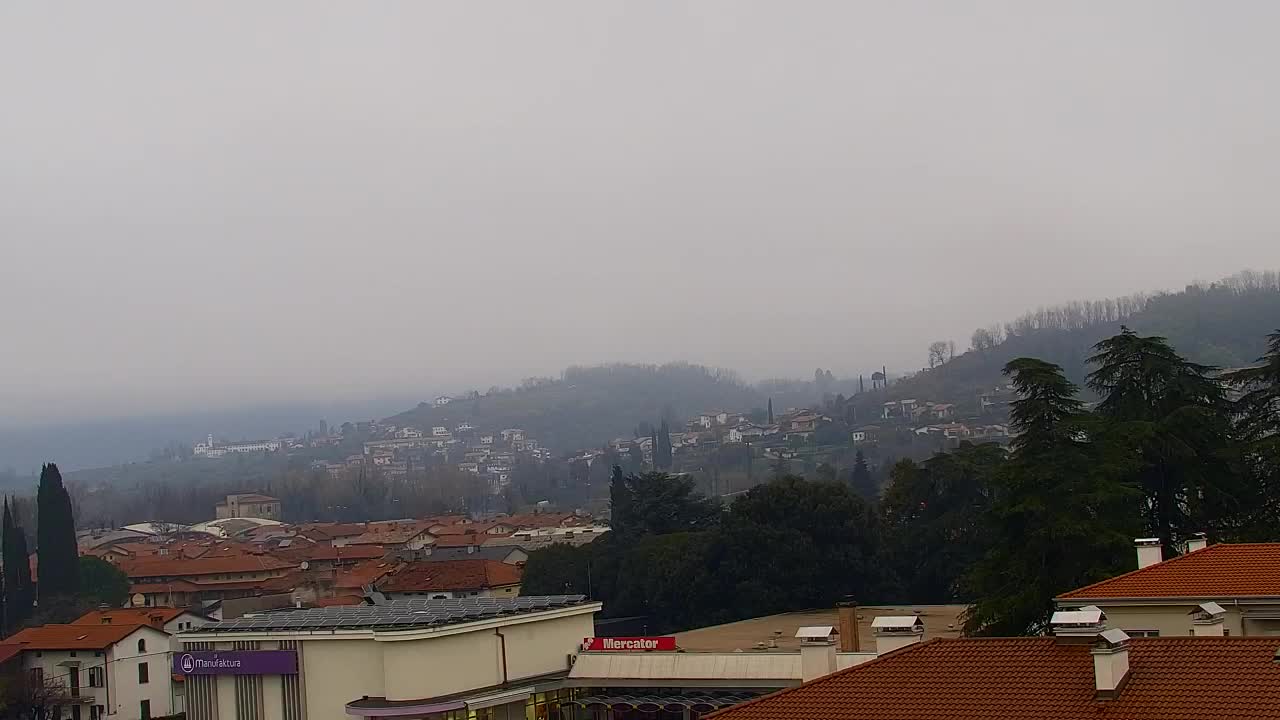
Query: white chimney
(1110, 663)
(1198, 541)
(1207, 620)
(817, 651)
(1150, 551)
(894, 632)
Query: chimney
(847, 613)
(1149, 551)
(817, 651)
(1207, 620)
(1110, 663)
(1081, 626)
(894, 632)
(1198, 541)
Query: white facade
(109, 683)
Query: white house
(117, 671)
(439, 431)
(442, 400)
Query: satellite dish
(139, 600)
(304, 565)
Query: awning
(654, 703)
(500, 698)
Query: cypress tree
(17, 573)
(770, 411)
(56, 537)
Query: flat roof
(397, 614)
(939, 621)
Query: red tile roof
(71, 637)
(205, 565)
(328, 531)
(332, 553)
(8, 651)
(155, 616)
(1038, 679)
(1218, 571)
(451, 575)
(338, 600)
(359, 575)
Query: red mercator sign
(628, 644)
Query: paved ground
(939, 621)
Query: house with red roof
(453, 579)
(1103, 675)
(99, 671)
(1224, 589)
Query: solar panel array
(397, 614)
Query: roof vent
(1207, 620)
(1110, 663)
(817, 651)
(896, 631)
(1081, 625)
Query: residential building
(181, 581)
(170, 620)
(211, 449)
(510, 554)
(1084, 673)
(1224, 589)
(444, 579)
(442, 400)
(865, 434)
(248, 505)
(495, 658)
(107, 671)
(745, 433)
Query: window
(1142, 633)
(106, 621)
(95, 677)
(144, 710)
(37, 676)
(144, 674)
(75, 712)
(95, 712)
(142, 645)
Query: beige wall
(337, 672)
(544, 647)
(1175, 620)
(441, 666)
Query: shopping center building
(482, 658)
(524, 658)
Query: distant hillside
(1223, 324)
(588, 406)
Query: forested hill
(587, 406)
(1223, 324)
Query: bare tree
(937, 353)
(35, 698)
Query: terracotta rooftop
(71, 637)
(387, 537)
(328, 531)
(8, 651)
(154, 616)
(161, 566)
(361, 574)
(451, 575)
(1038, 679)
(332, 553)
(1217, 571)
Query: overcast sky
(234, 202)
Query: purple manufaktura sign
(236, 662)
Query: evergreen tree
(770, 411)
(56, 541)
(1173, 416)
(12, 577)
(18, 595)
(1061, 517)
(861, 481)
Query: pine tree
(56, 541)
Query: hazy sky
(235, 202)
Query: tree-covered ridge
(587, 406)
(1172, 448)
(1222, 324)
